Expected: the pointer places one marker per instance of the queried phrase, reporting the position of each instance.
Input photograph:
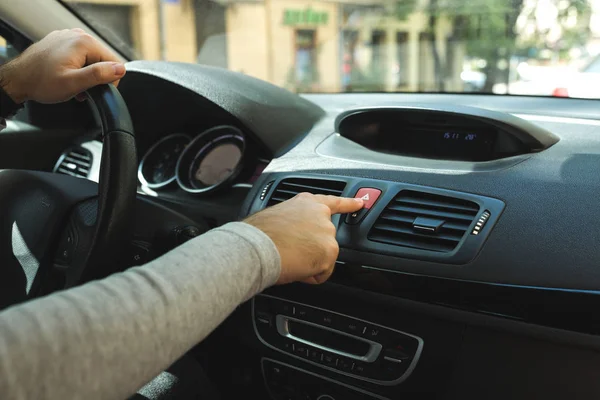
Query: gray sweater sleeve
(106, 339)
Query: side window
(7, 51)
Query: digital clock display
(461, 145)
(469, 137)
(419, 135)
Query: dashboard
(473, 273)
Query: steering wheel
(56, 230)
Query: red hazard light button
(369, 196)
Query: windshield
(524, 47)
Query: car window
(322, 46)
(7, 51)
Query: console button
(359, 368)
(326, 319)
(301, 349)
(315, 355)
(330, 360)
(357, 216)
(368, 370)
(351, 326)
(288, 346)
(373, 332)
(345, 364)
(284, 308)
(303, 313)
(369, 196)
(263, 318)
(395, 355)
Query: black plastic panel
(256, 104)
(285, 382)
(565, 309)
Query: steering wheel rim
(117, 188)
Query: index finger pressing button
(368, 195)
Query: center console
(335, 342)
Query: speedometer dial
(213, 159)
(158, 167)
(217, 165)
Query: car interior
(472, 271)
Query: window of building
(378, 58)
(305, 62)
(426, 68)
(402, 55)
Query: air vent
(76, 162)
(288, 188)
(424, 221)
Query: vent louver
(288, 188)
(424, 221)
(77, 162)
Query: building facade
(303, 45)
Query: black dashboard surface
(547, 235)
(256, 104)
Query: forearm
(106, 339)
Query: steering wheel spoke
(74, 224)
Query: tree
(569, 28)
(489, 30)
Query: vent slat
(67, 172)
(279, 199)
(412, 242)
(471, 210)
(430, 213)
(297, 188)
(290, 192)
(77, 162)
(395, 224)
(288, 188)
(449, 236)
(81, 156)
(404, 219)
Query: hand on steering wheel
(59, 67)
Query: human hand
(59, 67)
(302, 230)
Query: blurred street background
(527, 47)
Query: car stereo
(336, 342)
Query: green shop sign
(304, 17)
